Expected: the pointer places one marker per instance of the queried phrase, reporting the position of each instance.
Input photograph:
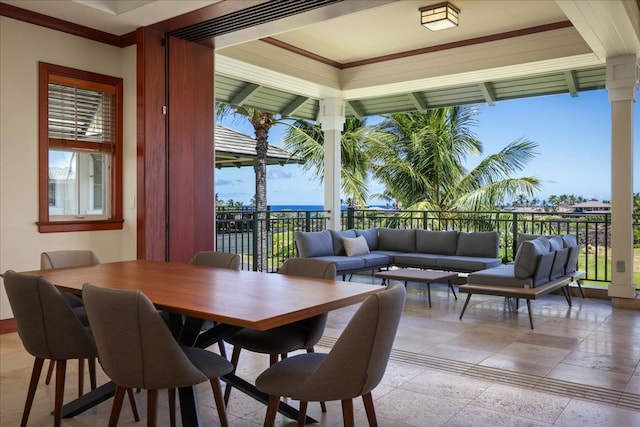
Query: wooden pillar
(175, 147)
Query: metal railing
(237, 231)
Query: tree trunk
(261, 199)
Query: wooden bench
(526, 293)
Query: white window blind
(81, 115)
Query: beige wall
(21, 47)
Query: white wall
(21, 47)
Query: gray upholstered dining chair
(279, 341)
(216, 259)
(68, 259)
(354, 366)
(137, 350)
(48, 329)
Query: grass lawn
(597, 269)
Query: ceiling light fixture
(439, 16)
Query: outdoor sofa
(376, 248)
(543, 264)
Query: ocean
(277, 208)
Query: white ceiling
(357, 30)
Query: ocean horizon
(278, 208)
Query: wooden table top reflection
(241, 298)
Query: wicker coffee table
(420, 276)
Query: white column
(622, 84)
(332, 118)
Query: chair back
(46, 324)
(357, 362)
(67, 259)
(135, 347)
(319, 269)
(216, 259)
(309, 267)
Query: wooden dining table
(192, 294)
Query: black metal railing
(238, 231)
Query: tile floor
(579, 367)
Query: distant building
(592, 207)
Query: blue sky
(574, 157)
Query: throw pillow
(355, 245)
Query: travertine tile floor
(579, 367)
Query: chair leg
(33, 385)
(118, 397)
(273, 359)
(223, 351)
(52, 364)
(92, 372)
(272, 410)
(61, 371)
(152, 408)
(235, 356)
(370, 410)
(217, 397)
(347, 413)
(80, 377)
(171, 394)
(134, 407)
(302, 414)
(579, 282)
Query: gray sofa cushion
(313, 243)
(479, 244)
(354, 246)
(466, 263)
(344, 263)
(527, 256)
(416, 260)
(523, 237)
(375, 259)
(499, 276)
(556, 243)
(397, 239)
(336, 237)
(572, 260)
(559, 263)
(371, 235)
(569, 240)
(436, 242)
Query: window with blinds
(81, 178)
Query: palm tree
(261, 121)
(420, 160)
(306, 140)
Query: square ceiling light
(439, 16)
